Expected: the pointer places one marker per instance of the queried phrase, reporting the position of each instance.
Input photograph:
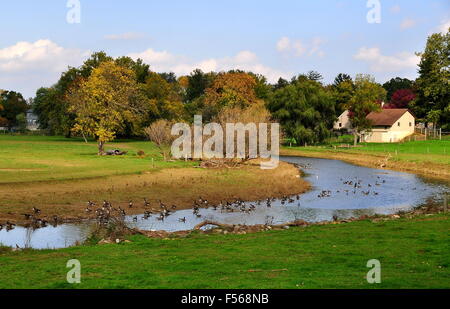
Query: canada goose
(135, 219)
(10, 225)
(146, 203)
(28, 216)
(182, 219)
(335, 218)
(130, 204)
(174, 207)
(36, 211)
(1, 227)
(88, 209)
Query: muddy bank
(434, 171)
(429, 209)
(177, 187)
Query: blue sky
(274, 38)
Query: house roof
(386, 117)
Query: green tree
(305, 110)
(12, 104)
(343, 89)
(141, 70)
(198, 82)
(164, 98)
(105, 102)
(281, 83)
(366, 98)
(21, 122)
(433, 83)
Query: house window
(340, 125)
(410, 124)
(399, 124)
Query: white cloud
(26, 66)
(407, 23)
(382, 63)
(283, 44)
(395, 9)
(124, 36)
(42, 54)
(151, 56)
(181, 65)
(298, 48)
(444, 26)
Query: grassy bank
(413, 254)
(60, 175)
(426, 158)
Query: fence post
(440, 134)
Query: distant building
(343, 122)
(390, 125)
(32, 120)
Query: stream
(339, 190)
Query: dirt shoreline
(433, 171)
(176, 186)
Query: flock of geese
(162, 211)
(106, 211)
(34, 220)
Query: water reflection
(339, 190)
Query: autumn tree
(366, 98)
(232, 89)
(159, 132)
(395, 84)
(254, 114)
(401, 99)
(51, 104)
(105, 102)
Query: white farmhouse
(390, 125)
(343, 122)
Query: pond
(339, 190)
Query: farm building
(343, 123)
(390, 125)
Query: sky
(283, 38)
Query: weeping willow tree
(305, 110)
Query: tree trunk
(355, 138)
(84, 137)
(101, 149)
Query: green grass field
(38, 158)
(435, 151)
(414, 253)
